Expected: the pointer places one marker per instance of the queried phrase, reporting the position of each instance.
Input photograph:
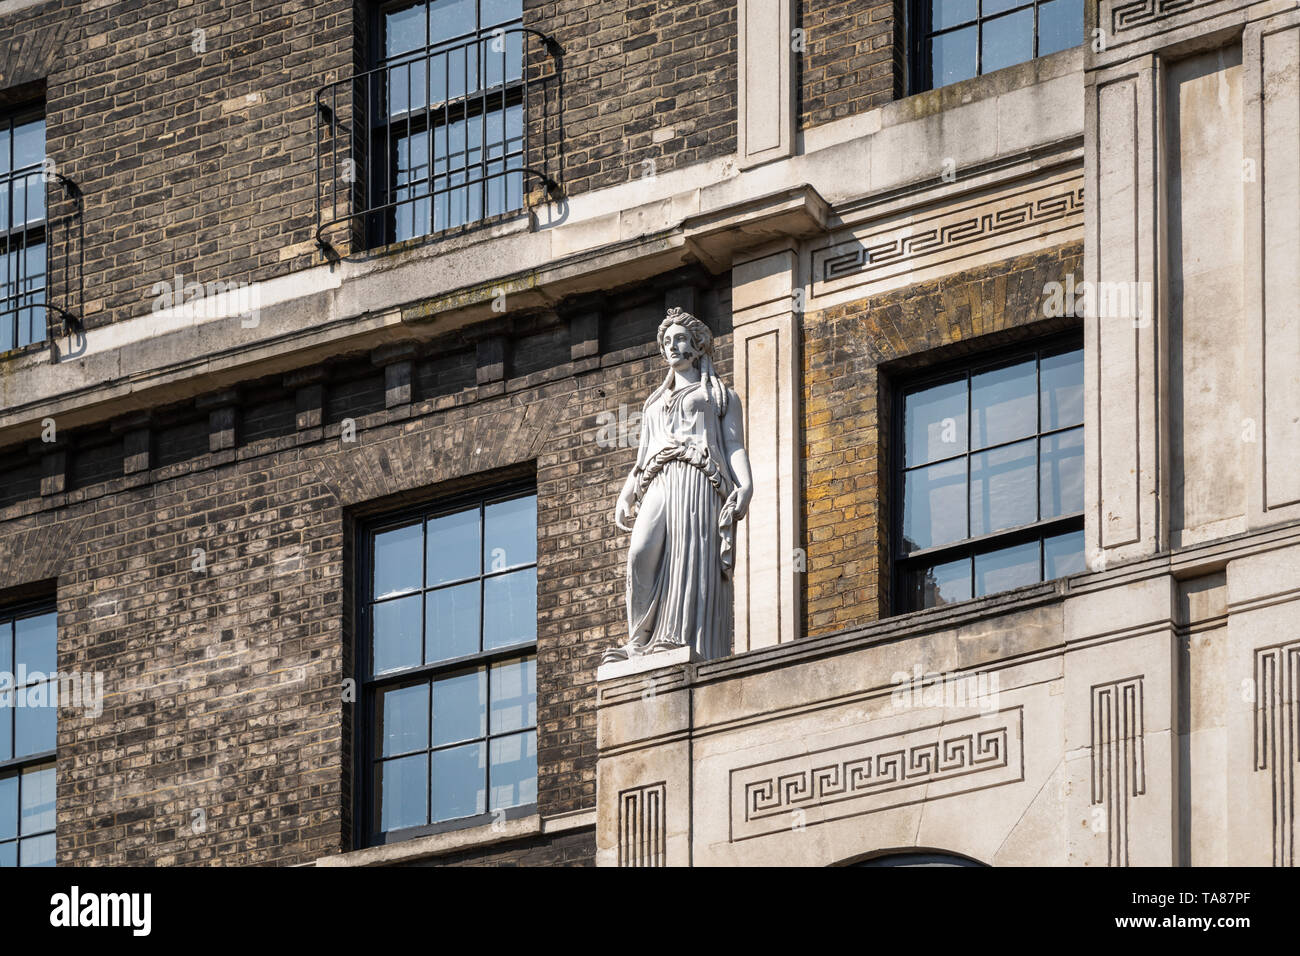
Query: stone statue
(690, 486)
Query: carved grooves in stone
(641, 837)
(1130, 16)
(1277, 727)
(1118, 759)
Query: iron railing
(432, 140)
(29, 245)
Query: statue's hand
(623, 513)
(742, 495)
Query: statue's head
(684, 339)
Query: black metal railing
(433, 140)
(30, 245)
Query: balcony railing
(30, 245)
(433, 140)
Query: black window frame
(21, 237)
(382, 142)
(903, 562)
(919, 33)
(369, 685)
(17, 766)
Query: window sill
(439, 844)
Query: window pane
(453, 547)
(38, 851)
(1060, 26)
(459, 785)
(1063, 555)
(1001, 6)
(6, 721)
(952, 57)
(1007, 40)
(510, 609)
(402, 792)
(499, 11)
(29, 145)
(1002, 492)
(452, 622)
(37, 793)
(934, 423)
(451, 18)
(1062, 384)
(514, 770)
(397, 634)
(8, 854)
(36, 719)
(949, 13)
(1006, 568)
(1062, 473)
(398, 562)
(6, 646)
(514, 696)
(36, 643)
(1004, 404)
(941, 584)
(8, 807)
(404, 30)
(460, 707)
(403, 720)
(411, 214)
(510, 537)
(934, 505)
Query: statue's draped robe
(684, 479)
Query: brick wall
(850, 354)
(194, 152)
(223, 688)
(642, 81)
(852, 60)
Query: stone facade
(187, 487)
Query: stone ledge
(440, 844)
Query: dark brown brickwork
(577, 848)
(194, 153)
(224, 686)
(852, 60)
(850, 354)
(635, 70)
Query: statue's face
(679, 348)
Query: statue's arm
(733, 436)
(627, 497)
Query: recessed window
(450, 623)
(989, 485)
(447, 95)
(29, 693)
(954, 40)
(22, 229)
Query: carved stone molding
(1138, 13)
(1118, 758)
(947, 234)
(1277, 729)
(642, 840)
(879, 773)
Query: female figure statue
(690, 486)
